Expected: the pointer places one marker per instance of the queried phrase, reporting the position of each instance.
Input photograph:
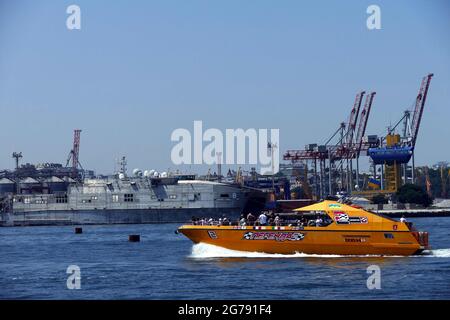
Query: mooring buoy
(134, 238)
(78, 230)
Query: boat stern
(422, 239)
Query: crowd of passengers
(266, 219)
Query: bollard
(78, 230)
(134, 238)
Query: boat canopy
(328, 205)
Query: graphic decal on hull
(343, 218)
(277, 236)
(212, 234)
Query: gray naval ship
(118, 199)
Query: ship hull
(308, 240)
(108, 216)
(132, 201)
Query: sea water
(35, 261)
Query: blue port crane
(395, 150)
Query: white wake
(437, 253)
(203, 250)
(208, 251)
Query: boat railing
(281, 223)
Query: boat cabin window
(128, 197)
(314, 219)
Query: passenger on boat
(262, 219)
(251, 219)
(277, 220)
(403, 219)
(302, 222)
(242, 222)
(319, 221)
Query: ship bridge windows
(128, 197)
(61, 198)
(90, 199)
(191, 196)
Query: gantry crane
(347, 148)
(74, 153)
(17, 156)
(396, 151)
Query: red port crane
(343, 149)
(347, 148)
(363, 124)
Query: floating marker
(134, 238)
(78, 230)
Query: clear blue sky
(137, 70)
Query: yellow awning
(328, 205)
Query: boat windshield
(381, 215)
(295, 219)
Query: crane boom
(335, 151)
(363, 121)
(354, 118)
(76, 148)
(419, 106)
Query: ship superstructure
(120, 200)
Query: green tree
(379, 199)
(411, 193)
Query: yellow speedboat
(342, 230)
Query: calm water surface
(34, 260)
